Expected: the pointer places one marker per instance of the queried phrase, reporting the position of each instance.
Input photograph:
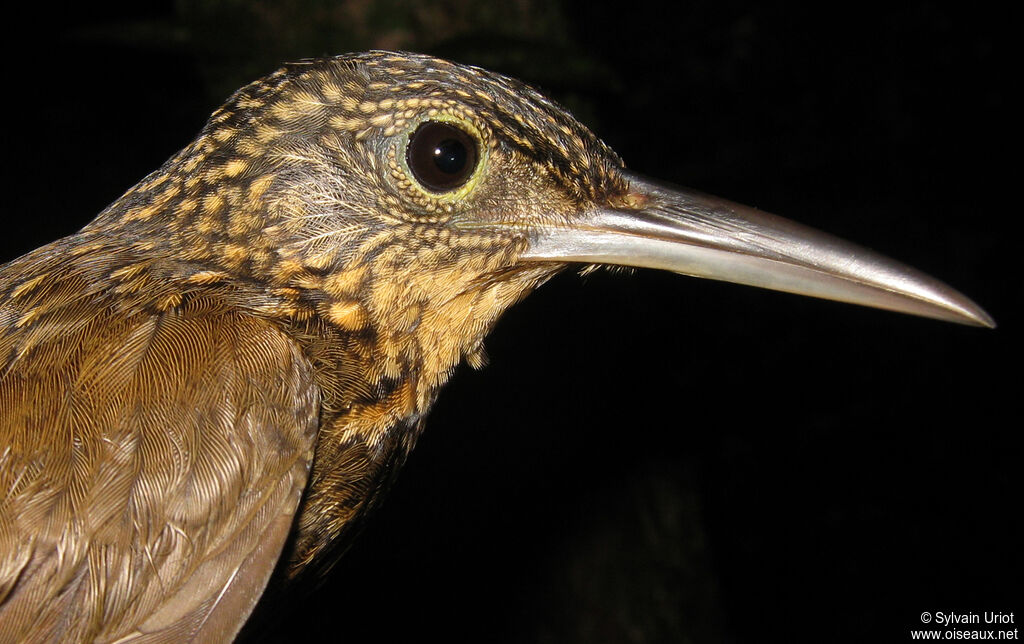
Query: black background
(648, 458)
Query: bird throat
(381, 354)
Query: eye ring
(441, 156)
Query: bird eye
(441, 156)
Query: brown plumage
(168, 369)
(227, 366)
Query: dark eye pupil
(450, 156)
(441, 156)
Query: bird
(213, 383)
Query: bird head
(413, 200)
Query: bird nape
(221, 374)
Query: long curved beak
(663, 227)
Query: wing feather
(150, 468)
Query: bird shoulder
(152, 458)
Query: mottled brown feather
(281, 285)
